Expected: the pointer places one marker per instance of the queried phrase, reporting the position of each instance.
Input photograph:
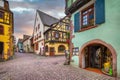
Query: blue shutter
(77, 22)
(100, 11)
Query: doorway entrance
(1, 49)
(97, 54)
(98, 58)
(52, 50)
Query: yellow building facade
(6, 31)
(57, 38)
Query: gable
(62, 24)
(47, 19)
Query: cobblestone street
(33, 67)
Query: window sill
(87, 28)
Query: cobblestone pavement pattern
(34, 67)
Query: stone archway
(97, 41)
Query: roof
(47, 19)
(25, 37)
(20, 40)
(61, 20)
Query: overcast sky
(24, 13)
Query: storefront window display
(99, 57)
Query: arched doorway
(100, 55)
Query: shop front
(97, 56)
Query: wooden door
(86, 57)
(52, 50)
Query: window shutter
(100, 11)
(77, 22)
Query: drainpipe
(70, 42)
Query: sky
(25, 11)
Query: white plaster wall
(39, 40)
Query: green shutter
(100, 11)
(77, 22)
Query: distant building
(6, 31)
(43, 22)
(96, 35)
(20, 45)
(56, 38)
(31, 45)
(27, 44)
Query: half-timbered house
(57, 38)
(43, 22)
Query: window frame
(36, 46)
(40, 34)
(1, 30)
(75, 51)
(47, 36)
(58, 35)
(59, 48)
(67, 27)
(1, 15)
(38, 26)
(82, 11)
(46, 48)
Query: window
(1, 30)
(38, 26)
(47, 35)
(46, 48)
(57, 35)
(67, 28)
(39, 34)
(61, 48)
(90, 17)
(36, 29)
(36, 46)
(7, 17)
(64, 35)
(34, 38)
(87, 16)
(75, 51)
(1, 15)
